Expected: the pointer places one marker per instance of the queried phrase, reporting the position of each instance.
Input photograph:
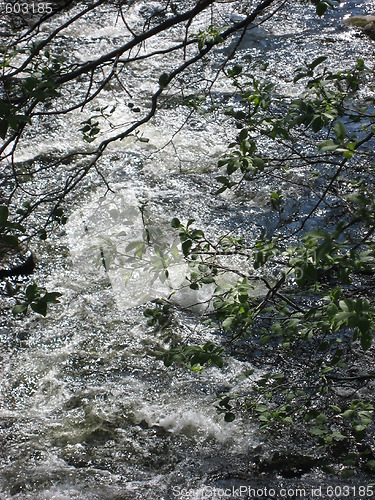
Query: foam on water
(87, 409)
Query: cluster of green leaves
(92, 126)
(9, 231)
(322, 6)
(38, 84)
(211, 36)
(340, 429)
(224, 407)
(314, 300)
(37, 299)
(90, 129)
(234, 309)
(10, 117)
(243, 159)
(159, 315)
(357, 417)
(195, 357)
(192, 239)
(160, 255)
(322, 106)
(32, 296)
(41, 80)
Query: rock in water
(365, 23)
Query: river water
(87, 411)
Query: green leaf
(328, 145)
(317, 431)
(186, 246)
(321, 419)
(9, 241)
(317, 61)
(3, 128)
(338, 436)
(366, 341)
(336, 409)
(222, 179)
(52, 297)
(221, 163)
(243, 134)
(235, 71)
(261, 408)
(175, 223)
(221, 190)
(299, 76)
(243, 298)
(347, 473)
(164, 80)
(4, 213)
(339, 130)
(196, 234)
(371, 465)
(264, 339)
(32, 292)
(217, 361)
(360, 428)
(348, 413)
(233, 165)
(229, 417)
(321, 8)
(39, 307)
(265, 417)
(259, 163)
(20, 308)
(227, 323)
(133, 245)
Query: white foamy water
(87, 409)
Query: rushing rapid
(87, 409)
